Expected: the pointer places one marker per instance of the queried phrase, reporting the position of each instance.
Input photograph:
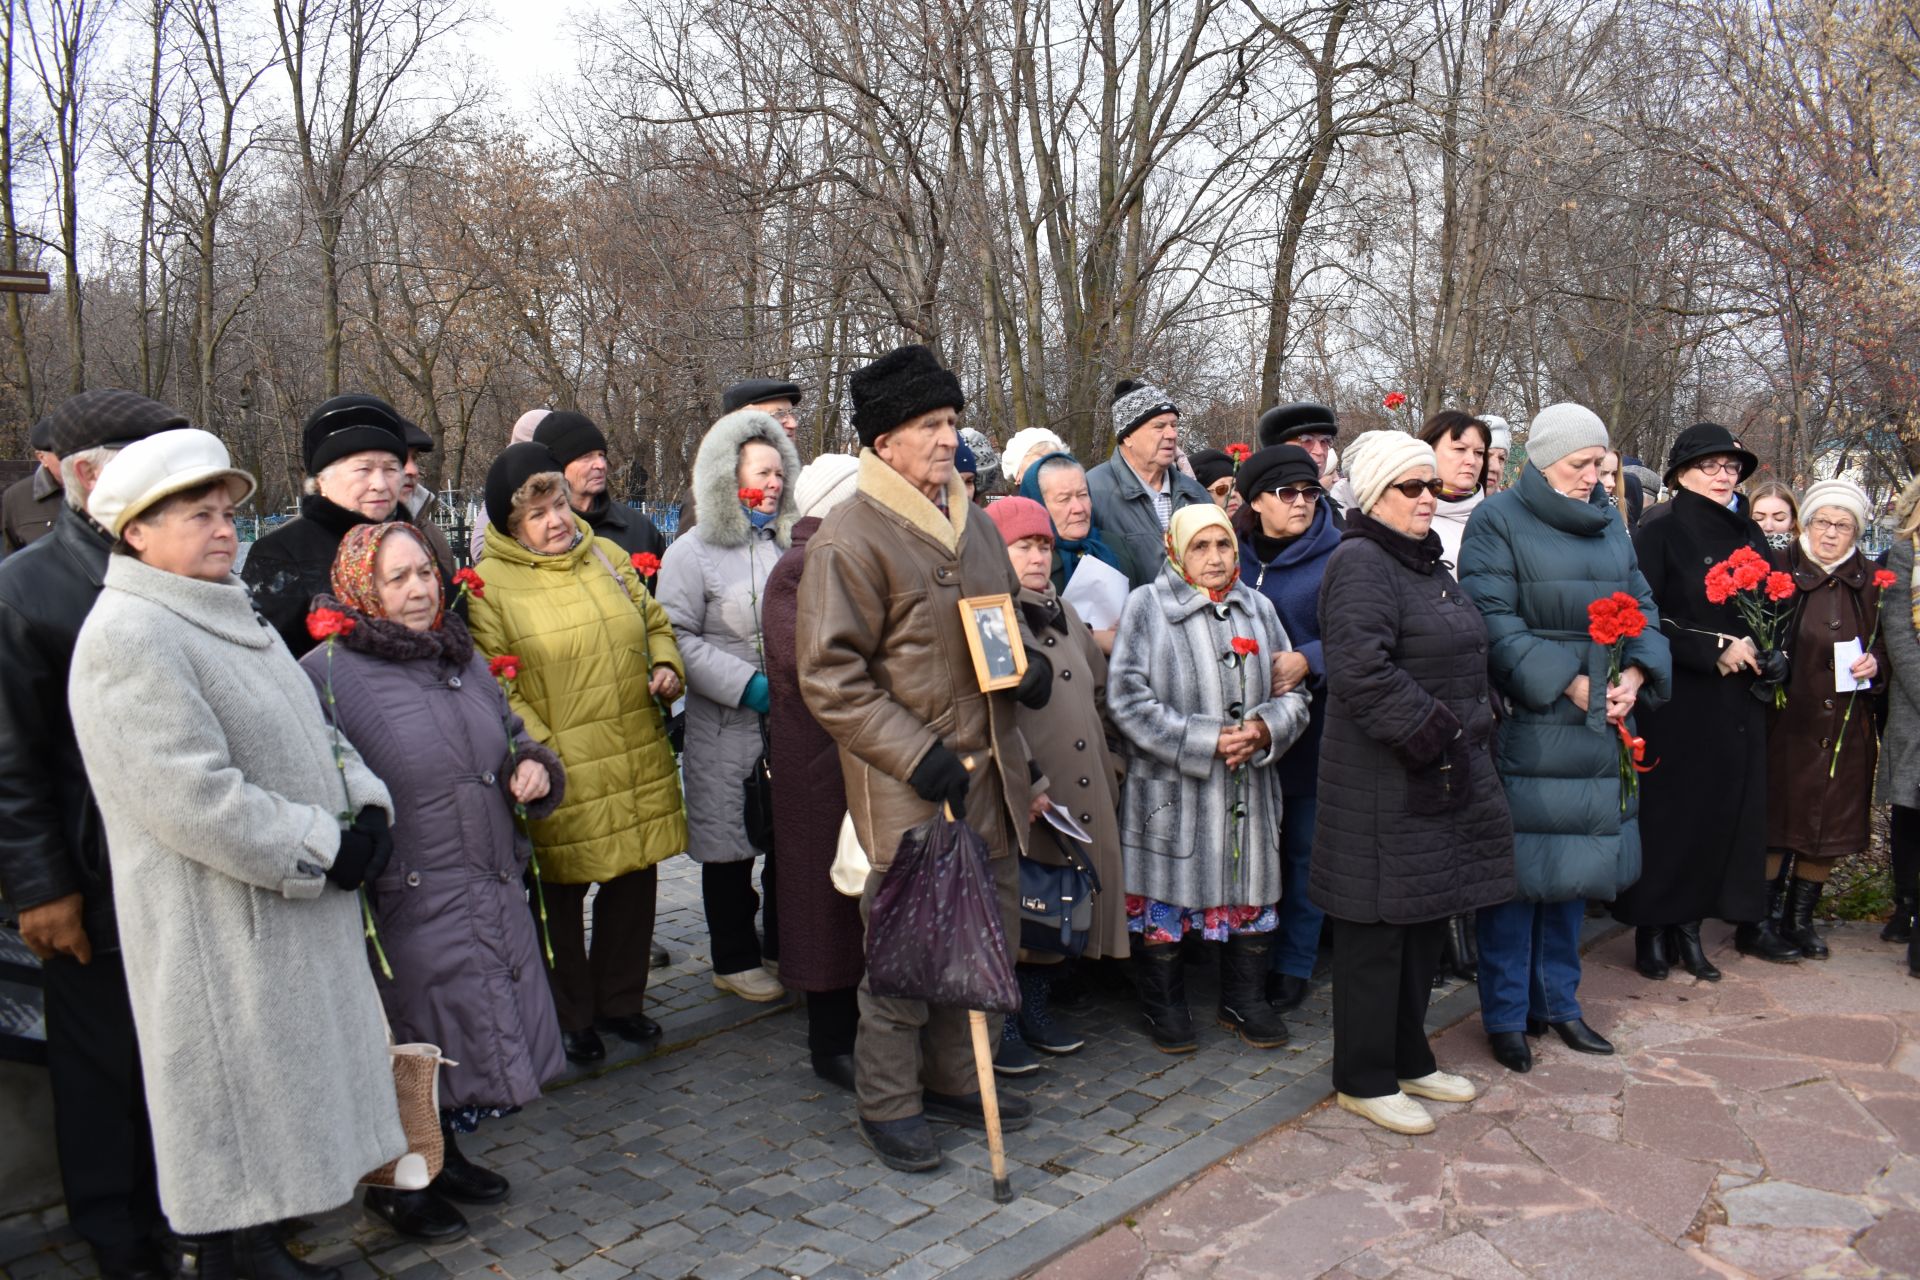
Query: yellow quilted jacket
(588, 634)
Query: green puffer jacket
(588, 635)
(1533, 559)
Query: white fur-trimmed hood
(716, 489)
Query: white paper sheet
(1845, 654)
(1063, 822)
(1098, 592)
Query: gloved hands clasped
(365, 848)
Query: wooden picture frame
(993, 638)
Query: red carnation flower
(1750, 575)
(1633, 622)
(753, 497)
(324, 624)
(1245, 646)
(470, 582)
(1394, 400)
(1779, 586)
(646, 563)
(504, 667)
(1719, 584)
(1239, 453)
(1884, 578)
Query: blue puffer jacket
(1291, 581)
(1533, 560)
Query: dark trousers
(1529, 962)
(833, 1019)
(1382, 980)
(612, 981)
(1904, 848)
(726, 891)
(906, 1046)
(100, 1125)
(1296, 941)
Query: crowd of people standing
(1349, 713)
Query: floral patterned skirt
(1160, 921)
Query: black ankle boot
(1243, 991)
(259, 1253)
(1162, 988)
(1650, 953)
(1899, 925)
(461, 1179)
(206, 1257)
(1511, 1050)
(1461, 957)
(1777, 895)
(417, 1215)
(1763, 942)
(1690, 954)
(1037, 1026)
(1802, 896)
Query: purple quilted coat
(451, 907)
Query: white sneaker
(1396, 1112)
(1441, 1086)
(756, 985)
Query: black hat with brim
(757, 391)
(517, 464)
(350, 424)
(106, 418)
(1275, 467)
(1707, 440)
(1301, 418)
(418, 441)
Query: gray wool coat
(261, 1037)
(1900, 741)
(713, 584)
(1169, 688)
(451, 906)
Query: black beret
(1209, 465)
(1303, 417)
(899, 387)
(757, 391)
(350, 424)
(569, 436)
(1275, 467)
(418, 441)
(517, 464)
(105, 418)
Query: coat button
(1066, 675)
(1826, 743)
(1834, 625)
(1048, 642)
(1080, 744)
(453, 682)
(413, 879)
(1086, 819)
(516, 973)
(1483, 697)
(504, 877)
(1084, 782)
(1828, 704)
(488, 778)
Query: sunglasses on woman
(1304, 493)
(1414, 488)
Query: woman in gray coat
(712, 585)
(1190, 690)
(1900, 746)
(407, 689)
(239, 831)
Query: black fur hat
(898, 387)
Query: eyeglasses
(1303, 493)
(1830, 526)
(1719, 466)
(1312, 438)
(1414, 488)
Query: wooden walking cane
(983, 1069)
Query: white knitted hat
(1027, 445)
(1561, 429)
(1378, 458)
(1845, 494)
(824, 483)
(1501, 435)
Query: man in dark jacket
(28, 507)
(354, 447)
(1137, 490)
(581, 448)
(420, 502)
(53, 852)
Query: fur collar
(883, 484)
(716, 487)
(394, 642)
(1180, 599)
(1419, 554)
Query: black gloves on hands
(365, 848)
(1037, 685)
(941, 778)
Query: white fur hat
(1377, 458)
(1024, 447)
(158, 467)
(825, 482)
(1844, 494)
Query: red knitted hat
(1018, 518)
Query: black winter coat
(287, 568)
(1703, 810)
(1413, 823)
(626, 528)
(52, 842)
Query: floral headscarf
(353, 567)
(1186, 523)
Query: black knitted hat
(1209, 465)
(516, 465)
(1275, 467)
(350, 424)
(899, 387)
(1301, 418)
(569, 435)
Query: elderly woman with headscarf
(713, 585)
(1413, 825)
(1820, 746)
(240, 829)
(1058, 482)
(463, 967)
(597, 665)
(1190, 689)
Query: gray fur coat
(261, 1036)
(713, 583)
(1169, 690)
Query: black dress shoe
(1536, 1027)
(207, 1257)
(583, 1046)
(1762, 941)
(260, 1254)
(460, 1178)
(1650, 953)
(965, 1109)
(835, 1068)
(417, 1215)
(635, 1028)
(906, 1145)
(1286, 992)
(1511, 1050)
(658, 957)
(1581, 1038)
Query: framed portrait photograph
(993, 637)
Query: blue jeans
(1297, 940)
(1529, 963)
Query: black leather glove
(365, 849)
(940, 777)
(1773, 666)
(1037, 685)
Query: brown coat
(1808, 812)
(1069, 742)
(884, 664)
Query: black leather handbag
(757, 792)
(1056, 902)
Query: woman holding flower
(1820, 746)
(597, 668)
(1703, 808)
(1551, 568)
(713, 585)
(1190, 690)
(402, 682)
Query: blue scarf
(760, 519)
(1067, 551)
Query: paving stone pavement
(1766, 1126)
